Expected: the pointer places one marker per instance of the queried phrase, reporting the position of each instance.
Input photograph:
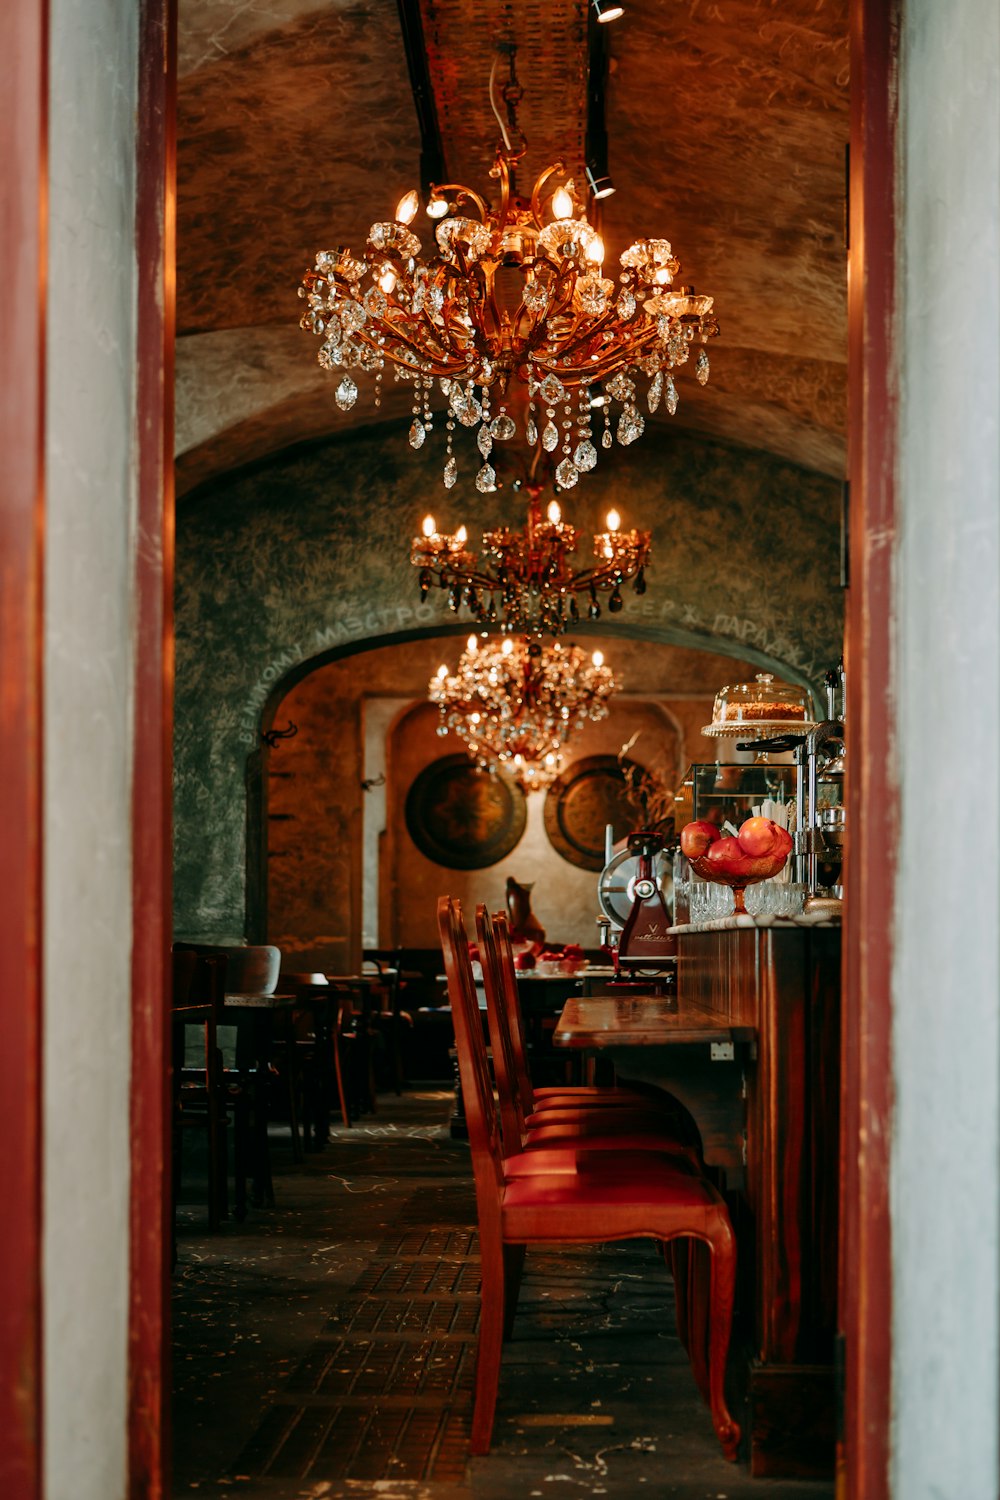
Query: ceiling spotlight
(599, 182)
(606, 10)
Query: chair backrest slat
(515, 1021)
(504, 1062)
(477, 1087)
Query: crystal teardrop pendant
(567, 474)
(417, 433)
(466, 408)
(484, 442)
(585, 456)
(346, 393)
(486, 479)
(552, 390)
(606, 438)
(630, 426)
(550, 437)
(701, 367)
(615, 602)
(450, 473)
(655, 392)
(670, 397)
(531, 434)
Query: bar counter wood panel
(769, 1120)
(786, 983)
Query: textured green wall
(306, 557)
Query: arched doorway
(333, 867)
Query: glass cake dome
(758, 708)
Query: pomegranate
(762, 839)
(697, 837)
(729, 858)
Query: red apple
(697, 837)
(728, 858)
(524, 961)
(760, 838)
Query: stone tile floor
(324, 1349)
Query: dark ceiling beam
(596, 142)
(432, 164)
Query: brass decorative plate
(590, 794)
(462, 817)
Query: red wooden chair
(608, 1197)
(575, 1118)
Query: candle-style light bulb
(507, 647)
(387, 279)
(554, 513)
(407, 207)
(428, 527)
(614, 520)
(595, 251)
(598, 658)
(472, 645)
(437, 208)
(662, 277)
(442, 672)
(562, 204)
(461, 536)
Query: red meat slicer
(633, 891)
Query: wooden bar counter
(752, 1051)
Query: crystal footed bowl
(763, 869)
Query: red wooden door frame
(866, 1248)
(868, 947)
(150, 1207)
(23, 45)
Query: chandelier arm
(433, 367)
(449, 578)
(575, 339)
(462, 194)
(536, 191)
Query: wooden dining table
(693, 1053)
(631, 1019)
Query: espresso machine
(820, 813)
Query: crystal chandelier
(524, 579)
(513, 303)
(516, 703)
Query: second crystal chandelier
(525, 580)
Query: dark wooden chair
(394, 1022)
(320, 1036)
(205, 1097)
(609, 1196)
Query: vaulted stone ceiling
(726, 123)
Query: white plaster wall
(88, 674)
(946, 1002)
